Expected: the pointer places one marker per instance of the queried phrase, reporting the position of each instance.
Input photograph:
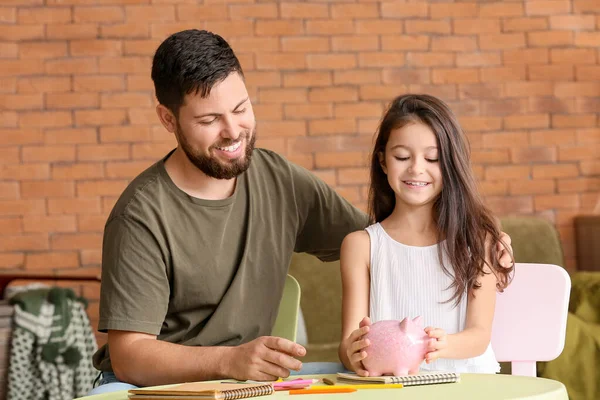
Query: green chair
(286, 323)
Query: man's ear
(381, 156)
(167, 118)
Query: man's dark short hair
(191, 61)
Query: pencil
(365, 386)
(322, 391)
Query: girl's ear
(381, 156)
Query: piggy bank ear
(418, 320)
(404, 325)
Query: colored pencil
(322, 391)
(365, 386)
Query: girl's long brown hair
(461, 217)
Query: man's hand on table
(266, 358)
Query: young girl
(428, 252)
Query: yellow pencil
(365, 386)
(321, 390)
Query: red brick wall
(77, 119)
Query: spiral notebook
(203, 390)
(423, 378)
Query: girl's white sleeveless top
(408, 281)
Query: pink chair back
(530, 318)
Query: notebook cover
(192, 390)
(423, 378)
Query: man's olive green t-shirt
(211, 272)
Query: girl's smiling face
(412, 166)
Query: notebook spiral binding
(243, 393)
(425, 379)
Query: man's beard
(215, 168)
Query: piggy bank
(396, 347)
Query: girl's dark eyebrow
(240, 103)
(405, 147)
(218, 114)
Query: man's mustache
(228, 143)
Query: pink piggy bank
(397, 347)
